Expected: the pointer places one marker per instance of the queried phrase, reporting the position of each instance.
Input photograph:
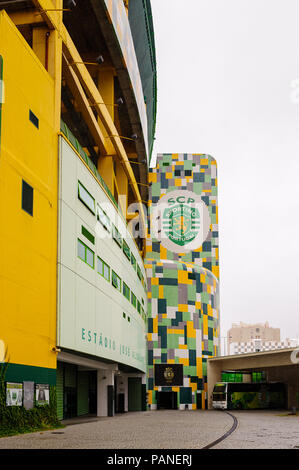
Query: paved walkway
(168, 429)
(163, 429)
(260, 429)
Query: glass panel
(219, 388)
(81, 250)
(139, 272)
(89, 257)
(133, 299)
(117, 236)
(106, 272)
(100, 266)
(126, 250)
(86, 198)
(133, 261)
(103, 218)
(116, 281)
(126, 291)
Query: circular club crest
(181, 221)
(168, 374)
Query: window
(87, 234)
(103, 218)
(126, 250)
(117, 236)
(33, 119)
(85, 254)
(138, 306)
(126, 291)
(116, 281)
(139, 272)
(86, 198)
(133, 299)
(27, 198)
(133, 261)
(103, 269)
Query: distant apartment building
(256, 345)
(243, 338)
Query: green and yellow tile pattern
(183, 298)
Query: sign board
(14, 394)
(28, 395)
(181, 221)
(42, 394)
(168, 375)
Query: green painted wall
(21, 373)
(83, 389)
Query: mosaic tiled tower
(183, 269)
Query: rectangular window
(89, 257)
(103, 269)
(81, 250)
(138, 307)
(126, 291)
(143, 313)
(103, 218)
(139, 272)
(106, 272)
(117, 236)
(116, 281)
(85, 254)
(86, 198)
(87, 234)
(126, 250)
(133, 299)
(133, 261)
(33, 119)
(27, 198)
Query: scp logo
(180, 221)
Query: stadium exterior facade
(182, 263)
(76, 140)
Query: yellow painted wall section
(28, 244)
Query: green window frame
(117, 236)
(85, 253)
(126, 250)
(116, 281)
(126, 291)
(138, 307)
(143, 313)
(103, 218)
(139, 274)
(86, 198)
(133, 299)
(133, 261)
(103, 269)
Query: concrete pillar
(214, 370)
(126, 393)
(105, 378)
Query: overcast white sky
(227, 74)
